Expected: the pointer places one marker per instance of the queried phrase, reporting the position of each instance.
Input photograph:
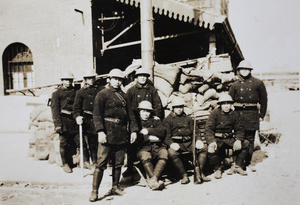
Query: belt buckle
(244, 106)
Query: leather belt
(223, 135)
(114, 120)
(66, 112)
(88, 112)
(182, 138)
(245, 105)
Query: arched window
(18, 70)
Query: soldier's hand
(175, 146)
(102, 137)
(153, 138)
(156, 118)
(212, 147)
(79, 120)
(58, 130)
(144, 131)
(237, 145)
(199, 144)
(133, 137)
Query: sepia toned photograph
(149, 102)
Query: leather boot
(97, 178)
(232, 170)
(197, 175)
(159, 167)
(240, 171)
(76, 158)
(201, 162)
(116, 173)
(149, 169)
(179, 166)
(67, 168)
(218, 174)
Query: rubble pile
(43, 140)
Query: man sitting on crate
(224, 130)
(151, 135)
(179, 139)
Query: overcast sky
(268, 32)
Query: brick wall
(59, 37)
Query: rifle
(197, 172)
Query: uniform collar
(174, 115)
(142, 86)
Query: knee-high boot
(179, 166)
(97, 178)
(159, 167)
(201, 162)
(116, 173)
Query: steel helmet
(117, 73)
(145, 105)
(178, 101)
(142, 71)
(89, 73)
(245, 64)
(67, 75)
(225, 98)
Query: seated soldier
(152, 135)
(224, 130)
(179, 138)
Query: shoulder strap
(121, 98)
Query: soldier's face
(145, 114)
(178, 110)
(244, 72)
(90, 81)
(226, 106)
(67, 82)
(142, 79)
(116, 82)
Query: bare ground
(27, 181)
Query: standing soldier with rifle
(179, 139)
(112, 116)
(61, 106)
(224, 130)
(251, 100)
(83, 114)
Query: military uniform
(153, 149)
(135, 95)
(83, 106)
(139, 93)
(219, 128)
(247, 93)
(179, 129)
(61, 106)
(112, 113)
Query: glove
(212, 147)
(144, 131)
(58, 130)
(175, 146)
(199, 144)
(153, 138)
(79, 120)
(156, 118)
(102, 137)
(133, 137)
(237, 145)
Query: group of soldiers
(115, 123)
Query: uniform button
(249, 96)
(249, 88)
(241, 97)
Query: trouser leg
(202, 156)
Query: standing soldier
(179, 137)
(61, 106)
(224, 130)
(112, 113)
(251, 99)
(152, 134)
(83, 113)
(142, 90)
